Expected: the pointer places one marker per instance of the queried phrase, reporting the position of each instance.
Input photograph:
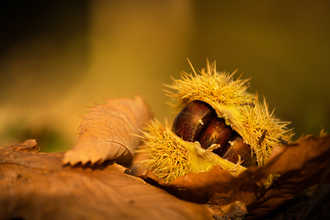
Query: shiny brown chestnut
(236, 147)
(216, 132)
(192, 121)
(198, 121)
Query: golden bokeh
(57, 57)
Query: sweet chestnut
(192, 121)
(201, 137)
(199, 122)
(236, 147)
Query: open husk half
(170, 157)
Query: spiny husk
(171, 157)
(240, 109)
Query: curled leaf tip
(108, 132)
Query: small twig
(251, 104)
(281, 141)
(262, 137)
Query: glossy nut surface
(199, 122)
(192, 120)
(216, 132)
(236, 147)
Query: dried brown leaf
(300, 165)
(37, 186)
(107, 132)
(27, 146)
(236, 210)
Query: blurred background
(57, 57)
